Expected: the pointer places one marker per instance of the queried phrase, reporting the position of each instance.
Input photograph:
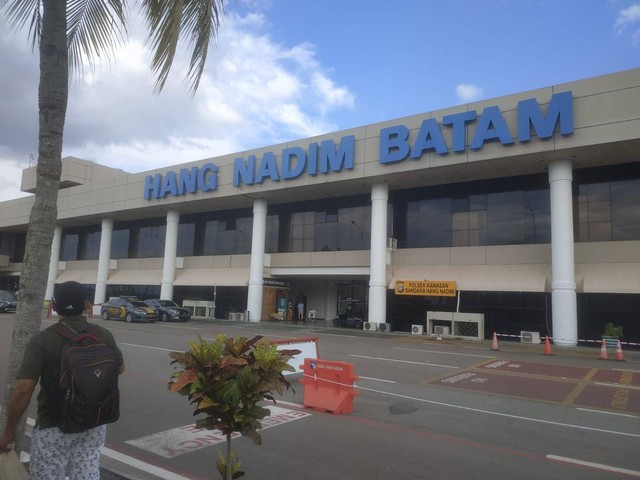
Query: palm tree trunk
(53, 94)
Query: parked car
(169, 310)
(130, 309)
(8, 301)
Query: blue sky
(288, 69)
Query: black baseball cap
(69, 298)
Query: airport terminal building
(524, 209)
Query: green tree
(68, 33)
(228, 380)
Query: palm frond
(94, 29)
(198, 20)
(21, 12)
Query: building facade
(523, 208)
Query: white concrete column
(256, 274)
(104, 257)
(378, 262)
(170, 249)
(563, 284)
(53, 262)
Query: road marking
(122, 458)
(179, 441)
(443, 353)
(599, 466)
(404, 361)
(617, 385)
(606, 413)
(500, 414)
(147, 346)
(376, 379)
(142, 466)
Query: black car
(8, 301)
(130, 309)
(169, 310)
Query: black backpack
(87, 394)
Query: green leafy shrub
(611, 330)
(227, 380)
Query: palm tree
(69, 33)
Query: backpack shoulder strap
(63, 330)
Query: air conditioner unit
(392, 243)
(384, 327)
(417, 329)
(441, 330)
(232, 316)
(530, 337)
(370, 326)
(311, 314)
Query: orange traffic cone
(619, 356)
(494, 345)
(603, 351)
(547, 346)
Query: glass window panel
(625, 208)
(210, 237)
(477, 202)
(120, 244)
(273, 229)
(460, 238)
(460, 221)
(69, 247)
(186, 239)
(598, 192)
(151, 241)
(505, 218)
(429, 223)
(460, 204)
(92, 247)
(600, 211)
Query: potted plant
(612, 334)
(228, 380)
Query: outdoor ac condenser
(441, 330)
(384, 327)
(370, 326)
(417, 329)
(530, 337)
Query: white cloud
(12, 178)
(468, 92)
(629, 20)
(254, 92)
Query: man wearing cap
(55, 454)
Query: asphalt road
(425, 409)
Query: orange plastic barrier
(328, 386)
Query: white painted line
(179, 441)
(377, 379)
(598, 466)
(617, 385)
(142, 466)
(444, 353)
(606, 413)
(146, 346)
(405, 361)
(500, 414)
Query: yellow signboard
(428, 288)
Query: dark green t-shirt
(41, 362)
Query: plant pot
(610, 342)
